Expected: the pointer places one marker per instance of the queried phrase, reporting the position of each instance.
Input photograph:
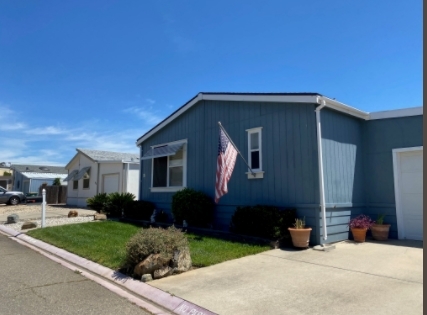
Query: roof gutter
(320, 161)
(341, 107)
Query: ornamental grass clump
(154, 241)
(299, 223)
(361, 222)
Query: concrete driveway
(368, 278)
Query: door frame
(25, 181)
(397, 185)
(109, 174)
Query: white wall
(110, 169)
(133, 180)
(77, 197)
(128, 181)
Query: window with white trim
(86, 179)
(255, 150)
(169, 172)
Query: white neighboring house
(91, 172)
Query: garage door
(111, 183)
(409, 193)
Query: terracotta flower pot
(300, 237)
(359, 234)
(380, 231)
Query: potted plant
(379, 229)
(300, 234)
(359, 226)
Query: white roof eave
(315, 99)
(233, 98)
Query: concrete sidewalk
(369, 278)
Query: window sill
(166, 189)
(258, 175)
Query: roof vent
(43, 168)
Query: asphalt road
(33, 284)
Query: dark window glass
(86, 179)
(160, 166)
(255, 159)
(75, 184)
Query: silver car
(11, 197)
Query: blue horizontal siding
(356, 153)
(380, 137)
(289, 153)
(36, 183)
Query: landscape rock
(150, 264)
(163, 272)
(181, 260)
(100, 216)
(13, 218)
(28, 225)
(146, 278)
(73, 214)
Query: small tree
(57, 181)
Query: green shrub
(139, 210)
(263, 221)
(154, 241)
(193, 206)
(57, 182)
(162, 216)
(98, 202)
(118, 202)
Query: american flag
(227, 154)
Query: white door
(110, 183)
(409, 192)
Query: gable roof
(106, 156)
(99, 156)
(303, 97)
(39, 168)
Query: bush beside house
(195, 207)
(263, 221)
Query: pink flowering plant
(361, 222)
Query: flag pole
(229, 138)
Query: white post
(321, 179)
(43, 208)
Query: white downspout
(321, 179)
(127, 177)
(97, 177)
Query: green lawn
(104, 243)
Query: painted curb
(172, 303)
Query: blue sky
(98, 74)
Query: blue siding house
(328, 160)
(28, 178)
